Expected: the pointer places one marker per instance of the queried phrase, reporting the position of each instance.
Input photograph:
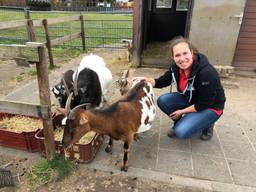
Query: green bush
(39, 5)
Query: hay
(19, 124)
(58, 135)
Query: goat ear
(83, 120)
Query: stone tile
(239, 151)
(211, 147)
(174, 144)
(211, 168)
(227, 132)
(148, 139)
(114, 158)
(174, 162)
(143, 157)
(251, 133)
(243, 173)
(165, 124)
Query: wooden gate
(245, 54)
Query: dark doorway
(167, 19)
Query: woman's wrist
(151, 80)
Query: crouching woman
(200, 98)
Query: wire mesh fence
(106, 31)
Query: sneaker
(207, 134)
(171, 133)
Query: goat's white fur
(97, 64)
(147, 111)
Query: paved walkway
(225, 163)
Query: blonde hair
(180, 39)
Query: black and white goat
(89, 83)
(133, 113)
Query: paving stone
(210, 147)
(114, 158)
(212, 168)
(143, 157)
(174, 144)
(174, 162)
(244, 173)
(250, 131)
(230, 132)
(149, 138)
(239, 151)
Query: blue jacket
(203, 89)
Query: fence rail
(106, 33)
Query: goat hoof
(108, 149)
(137, 137)
(123, 168)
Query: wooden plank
(245, 40)
(12, 24)
(249, 22)
(251, 9)
(37, 23)
(248, 29)
(245, 59)
(19, 51)
(246, 64)
(246, 47)
(41, 111)
(250, 15)
(62, 19)
(61, 40)
(245, 52)
(248, 35)
(251, 3)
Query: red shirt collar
(188, 72)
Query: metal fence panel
(104, 33)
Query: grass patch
(100, 29)
(46, 171)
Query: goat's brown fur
(121, 120)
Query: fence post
(48, 42)
(29, 26)
(82, 31)
(44, 94)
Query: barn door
(167, 19)
(245, 55)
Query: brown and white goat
(133, 113)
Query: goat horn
(75, 83)
(65, 84)
(71, 114)
(80, 106)
(68, 102)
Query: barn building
(224, 30)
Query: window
(164, 4)
(182, 5)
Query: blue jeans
(191, 123)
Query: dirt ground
(83, 179)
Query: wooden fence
(31, 24)
(35, 52)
